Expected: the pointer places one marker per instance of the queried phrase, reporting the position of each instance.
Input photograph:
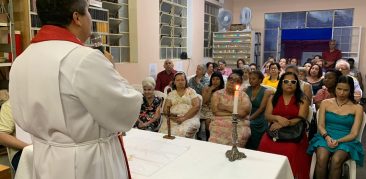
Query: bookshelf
(7, 41)
(110, 19)
(230, 46)
(173, 28)
(118, 34)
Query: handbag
(289, 133)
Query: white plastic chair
(162, 95)
(138, 87)
(351, 163)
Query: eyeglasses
(288, 81)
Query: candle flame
(237, 87)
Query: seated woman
(274, 75)
(216, 83)
(339, 124)
(258, 95)
(304, 86)
(244, 85)
(149, 118)
(198, 81)
(315, 77)
(222, 108)
(328, 90)
(287, 107)
(182, 106)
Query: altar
(152, 157)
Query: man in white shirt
(344, 67)
(71, 99)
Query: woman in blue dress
(339, 124)
(259, 96)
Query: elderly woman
(222, 108)
(339, 124)
(149, 117)
(182, 106)
(258, 95)
(199, 81)
(286, 108)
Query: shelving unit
(173, 28)
(110, 19)
(7, 36)
(230, 46)
(118, 37)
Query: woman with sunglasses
(339, 124)
(222, 108)
(287, 107)
(182, 106)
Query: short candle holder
(169, 136)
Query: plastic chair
(162, 95)
(351, 163)
(138, 87)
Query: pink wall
(148, 39)
(259, 7)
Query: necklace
(340, 105)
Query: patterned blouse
(147, 113)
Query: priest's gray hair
(149, 81)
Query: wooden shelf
(231, 46)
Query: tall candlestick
(236, 99)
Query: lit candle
(236, 98)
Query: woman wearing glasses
(287, 107)
(274, 75)
(222, 108)
(339, 124)
(182, 106)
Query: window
(173, 28)
(320, 19)
(272, 20)
(340, 20)
(211, 25)
(293, 20)
(343, 17)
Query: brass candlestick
(169, 136)
(234, 153)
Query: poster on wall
(153, 70)
(179, 66)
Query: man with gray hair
(166, 76)
(344, 67)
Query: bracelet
(325, 135)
